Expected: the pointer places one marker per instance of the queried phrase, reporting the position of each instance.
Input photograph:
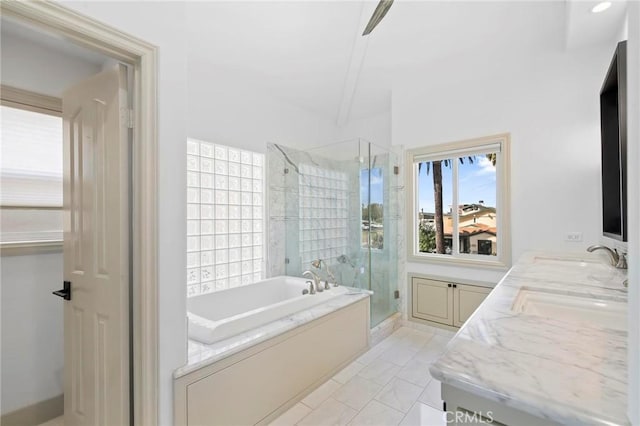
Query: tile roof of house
(471, 229)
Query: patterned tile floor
(388, 385)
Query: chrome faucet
(316, 281)
(619, 260)
(318, 265)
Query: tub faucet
(619, 260)
(318, 265)
(316, 281)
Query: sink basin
(563, 307)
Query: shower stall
(338, 203)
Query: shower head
(344, 259)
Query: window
(31, 174)
(324, 214)
(460, 202)
(225, 217)
(371, 196)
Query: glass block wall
(225, 217)
(324, 213)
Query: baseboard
(385, 329)
(429, 326)
(35, 414)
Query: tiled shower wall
(315, 210)
(225, 217)
(309, 210)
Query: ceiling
(311, 53)
(585, 28)
(306, 53)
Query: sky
(477, 182)
(377, 186)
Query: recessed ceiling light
(601, 7)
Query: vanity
(548, 346)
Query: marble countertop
(567, 371)
(201, 355)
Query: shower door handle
(65, 293)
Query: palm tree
(437, 193)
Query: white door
(96, 250)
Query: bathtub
(217, 316)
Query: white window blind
(31, 159)
(30, 176)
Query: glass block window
(225, 217)
(324, 212)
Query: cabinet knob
(455, 286)
(449, 285)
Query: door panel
(96, 250)
(432, 300)
(467, 298)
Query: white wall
(32, 331)
(549, 104)
(32, 323)
(163, 24)
(236, 113)
(633, 161)
(31, 66)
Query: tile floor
(388, 385)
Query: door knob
(65, 293)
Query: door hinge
(130, 120)
(126, 115)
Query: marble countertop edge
(485, 357)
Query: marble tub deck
(567, 372)
(201, 355)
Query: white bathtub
(217, 316)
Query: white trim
(21, 248)
(30, 101)
(503, 203)
(458, 152)
(142, 56)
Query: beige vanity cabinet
(445, 302)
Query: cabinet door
(432, 300)
(467, 298)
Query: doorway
(64, 32)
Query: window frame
(366, 248)
(34, 102)
(503, 204)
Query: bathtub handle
(312, 288)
